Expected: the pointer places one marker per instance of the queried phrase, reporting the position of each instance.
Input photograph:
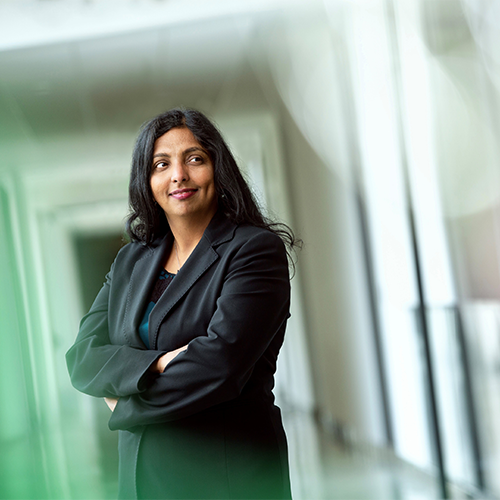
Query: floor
(322, 469)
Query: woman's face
(182, 178)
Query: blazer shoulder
(254, 238)
(132, 252)
(246, 232)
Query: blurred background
(370, 126)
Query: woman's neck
(187, 234)
(186, 240)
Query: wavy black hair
(147, 221)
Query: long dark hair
(147, 221)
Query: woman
(182, 339)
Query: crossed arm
(145, 386)
(157, 367)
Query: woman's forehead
(175, 140)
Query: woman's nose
(179, 172)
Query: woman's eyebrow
(189, 150)
(194, 148)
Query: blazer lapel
(202, 257)
(142, 280)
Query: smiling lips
(182, 194)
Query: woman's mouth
(182, 194)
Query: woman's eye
(196, 159)
(161, 164)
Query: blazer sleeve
(102, 369)
(252, 308)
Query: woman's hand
(158, 367)
(111, 402)
(161, 363)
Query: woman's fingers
(111, 402)
(169, 356)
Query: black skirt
(226, 452)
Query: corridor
(370, 127)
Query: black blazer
(207, 427)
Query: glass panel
(451, 395)
(418, 102)
(405, 371)
(21, 471)
(482, 321)
(390, 232)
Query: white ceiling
(94, 68)
(27, 23)
(111, 84)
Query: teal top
(164, 279)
